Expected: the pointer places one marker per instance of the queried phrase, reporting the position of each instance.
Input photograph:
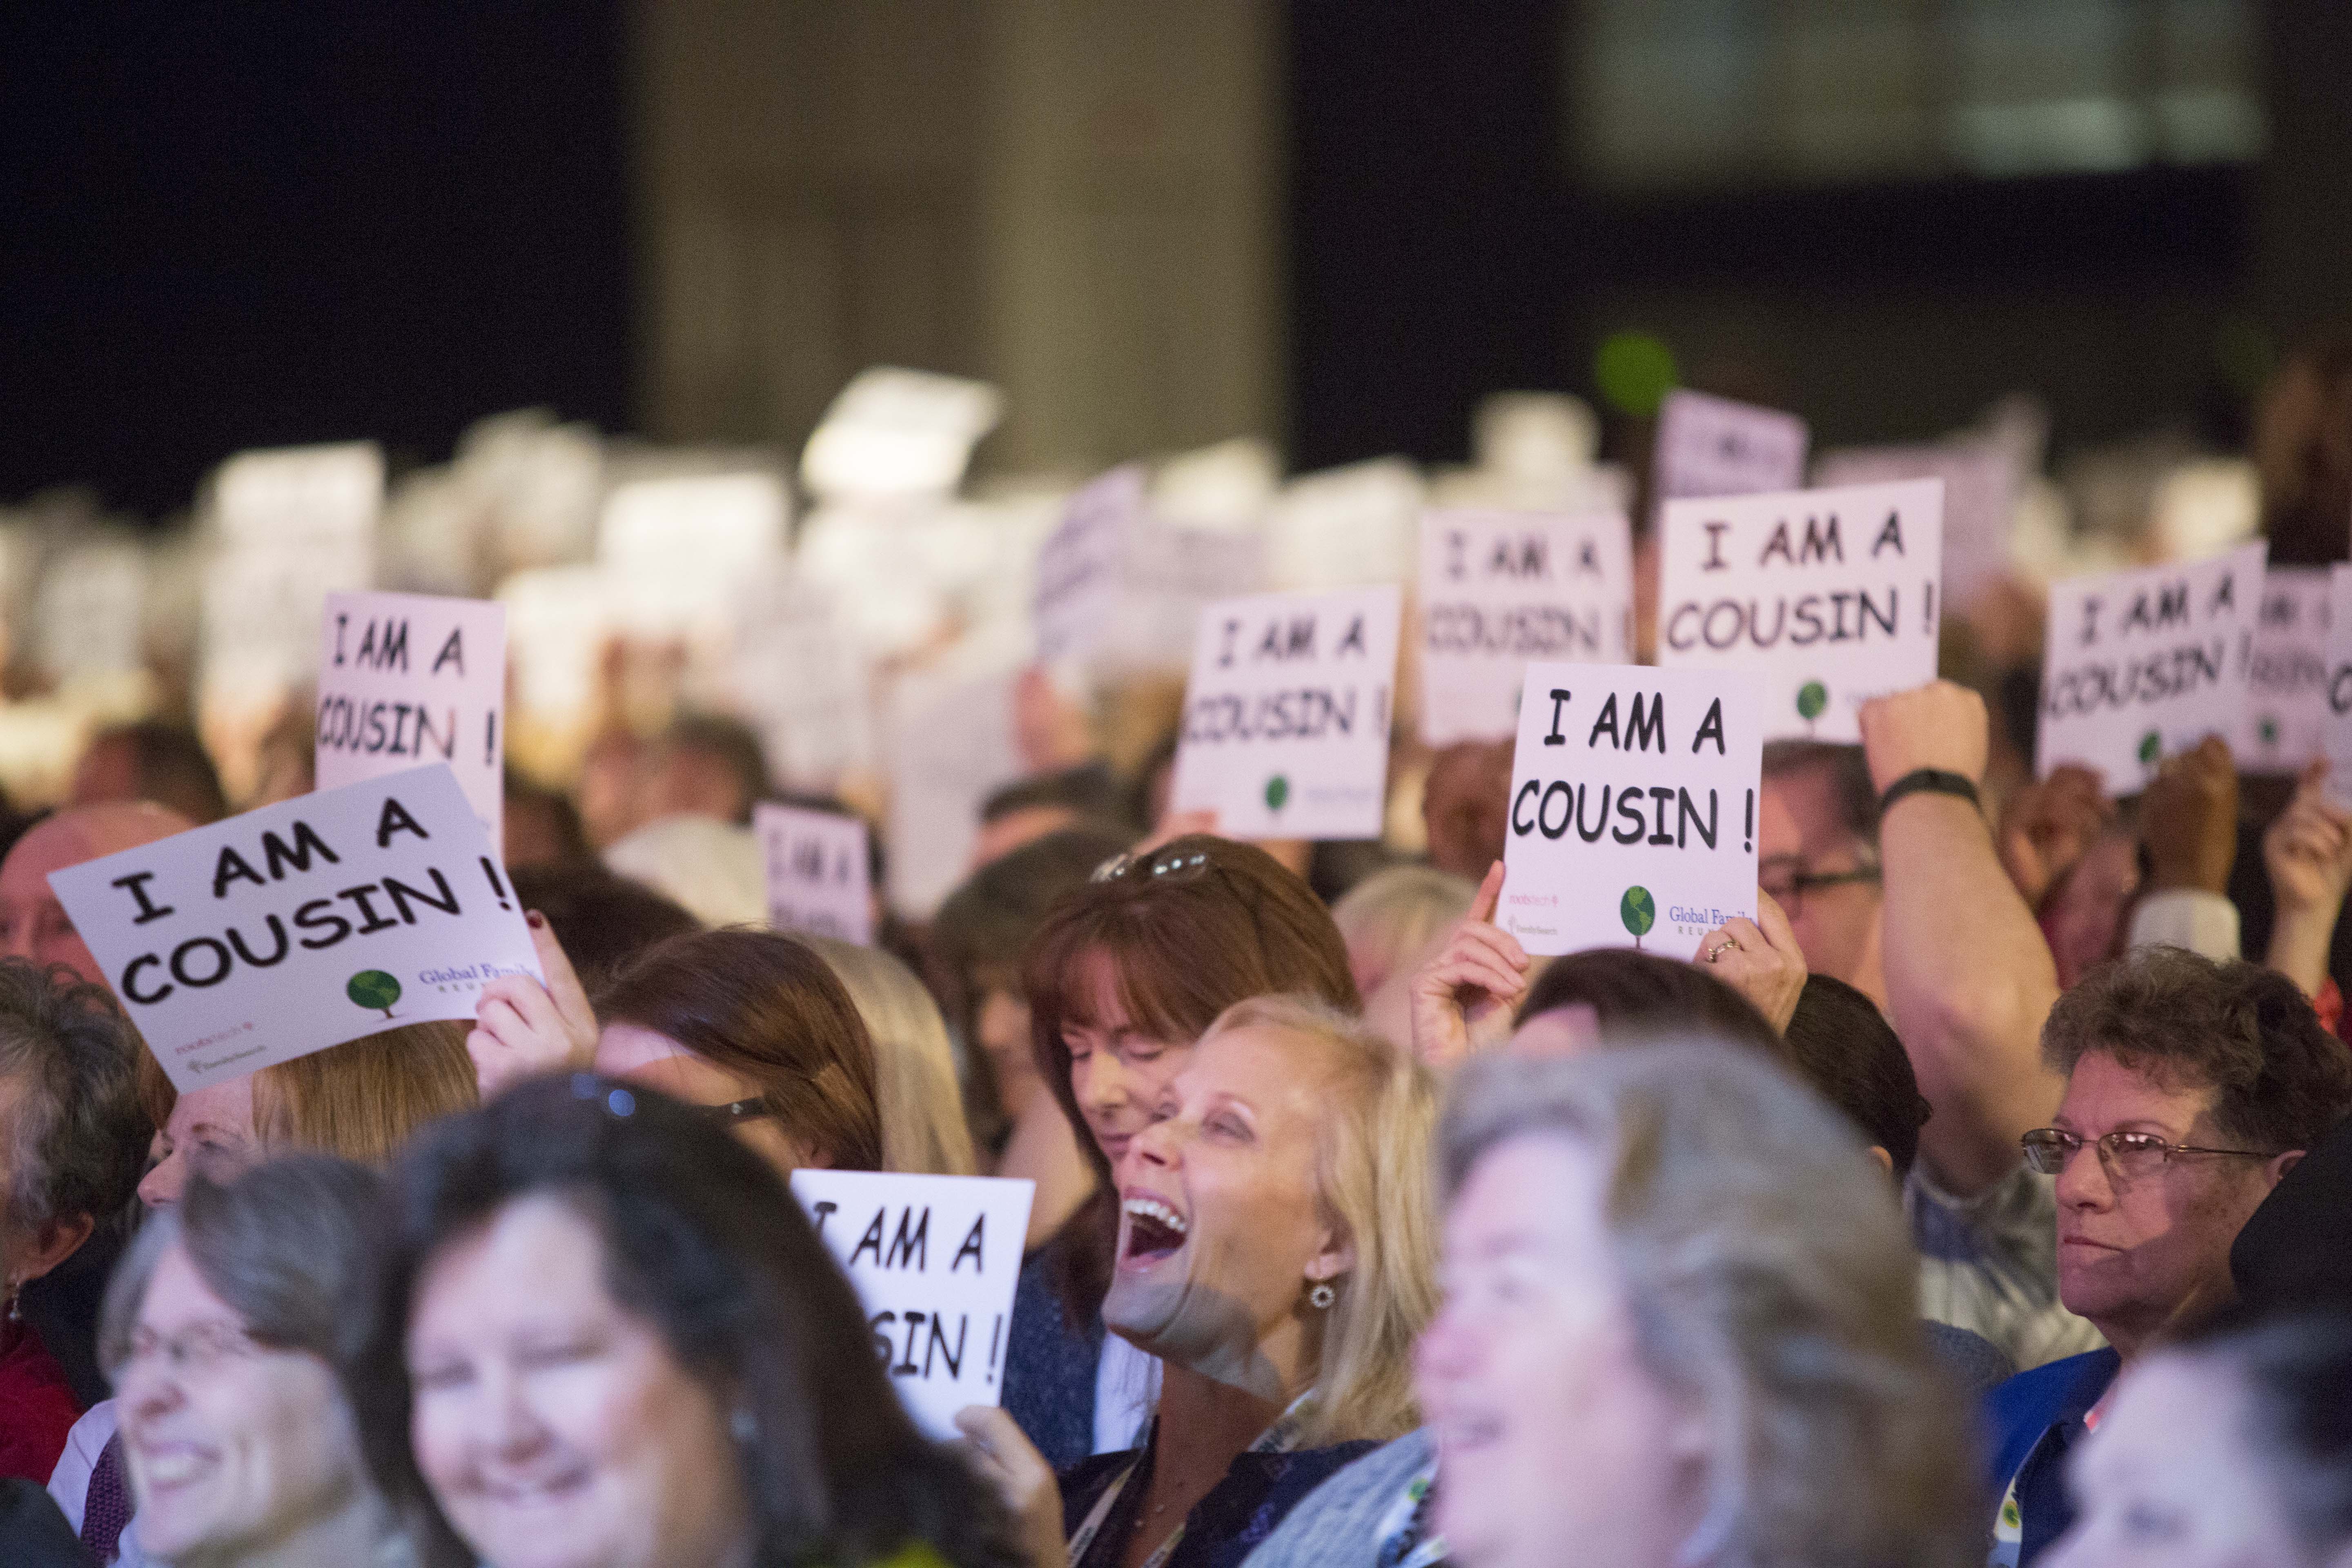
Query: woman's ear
(1335, 1256)
(56, 1241)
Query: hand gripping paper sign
(1829, 597)
(1633, 811)
(301, 925)
(406, 679)
(934, 1261)
(817, 871)
(2138, 665)
(1286, 729)
(1501, 588)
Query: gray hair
(77, 1136)
(1770, 1281)
(291, 1245)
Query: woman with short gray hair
(1681, 1328)
(71, 1134)
(226, 1331)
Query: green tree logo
(1639, 911)
(1812, 697)
(2270, 728)
(374, 988)
(1278, 791)
(2151, 749)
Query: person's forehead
(2103, 1088)
(1536, 1188)
(46, 846)
(1808, 795)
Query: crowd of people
(1978, 1201)
(1986, 1199)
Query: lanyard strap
(1279, 1438)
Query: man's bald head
(32, 923)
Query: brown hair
(2280, 1080)
(763, 1004)
(1188, 931)
(361, 1100)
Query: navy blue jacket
(2034, 1419)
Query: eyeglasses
(2124, 1156)
(199, 1347)
(1167, 865)
(1789, 885)
(735, 1110)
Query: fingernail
(538, 922)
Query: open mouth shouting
(1151, 1231)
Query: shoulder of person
(2021, 1410)
(1332, 1526)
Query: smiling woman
(1274, 1253)
(608, 1338)
(223, 1329)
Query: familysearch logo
(1639, 911)
(374, 988)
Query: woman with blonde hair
(915, 1088)
(1274, 1253)
(1681, 1329)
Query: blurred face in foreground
(1549, 1428)
(1221, 1229)
(2169, 1480)
(556, 1429)
(236, 1450)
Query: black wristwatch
(1929, 781)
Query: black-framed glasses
(735, 1110)
(1789, 885)
(2124, 1156)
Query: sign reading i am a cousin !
(1499, 589)
(1633, 810)
(406, 679)
(1287, 714)
(2138, 665)
(1829, 597)
(2282, 725)
(1714, 447)
(321, 919)
(935, 1261)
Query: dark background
(227, 226)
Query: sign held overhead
(1499, 589)
(266, 937)
(1830, 596)
(406, 678)
(817, 871)
(2138, 665)
(1633, 810)
(1287, 714)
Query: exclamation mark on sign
(996, 1338)
(495, 885)
(1929, 625)
(491, 739)
(1747, 826)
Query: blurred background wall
(1337, 221)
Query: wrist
(1940, 783)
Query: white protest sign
(1078, 570)
(950, 743)
(406, 679)
(817, 871)
(2137, 665)
(1633, 813)
(1285, 728)
(2337, 733)
(1501, 588)
(934, 1261)
(1714, 447)
(1982, 478)
(2283, 722)
(301, 925)
(1829, 597)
